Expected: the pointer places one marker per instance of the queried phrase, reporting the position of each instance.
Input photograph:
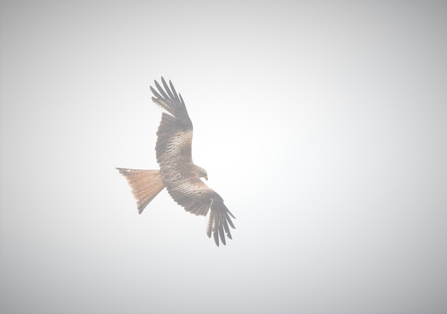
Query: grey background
(322, 124)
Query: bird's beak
(206, 178)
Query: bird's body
(178, 173)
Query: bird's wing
(199, 199)
(174, 135)
(172, 102)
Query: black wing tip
(168, 92)
(216, 238)
(156, 94)
(168, 98)
(159, 87)
(220, 232)
(217, 235)
(231, 215)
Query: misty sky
(322, 124)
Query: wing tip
(218, 225)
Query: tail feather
(145, 184)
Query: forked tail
(145, 184)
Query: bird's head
(202, 173)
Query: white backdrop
(322, 124)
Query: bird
(178, 173)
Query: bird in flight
(178, 174)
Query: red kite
(178, 173)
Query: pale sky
(322, 124)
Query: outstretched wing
(180, 176)
(199, 199)
(174, 136)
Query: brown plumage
(145, 184)
(178, 173)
